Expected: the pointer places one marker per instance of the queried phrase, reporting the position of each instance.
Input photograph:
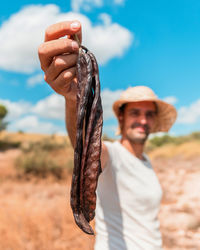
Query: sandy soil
(35, 214)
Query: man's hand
(58, 57)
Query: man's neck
(136, 149)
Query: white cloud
(86, 5)
(170, 99)
(36, 118)
(31, 118)
(51, 107)
(15, 109)
(22, 33)
(108, 40)
(190, 114)
(39, 117)
(108, 98)
(34, 125)
(105, 18)
(35, 79)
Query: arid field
(35, 177)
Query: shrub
(45, 157)
(39, 164)
(3, 113)
(47, 144)
(159, 141)
(195, 135)
(4, 145)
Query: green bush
(39, 164)
(159, 141)
(3, 113)
(195, 135)
(4, 145)
(47, 144)
(43, 158)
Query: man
(128, 193)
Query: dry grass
(37, 216)
(35, 213)
(187, 151)
(41, 155)
(27, 137)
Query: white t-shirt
(128, 201)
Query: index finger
(61, 29)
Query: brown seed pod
(87, 151)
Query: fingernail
(75, 45)
(75, 25)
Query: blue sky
(136, 42)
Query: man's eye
(150, 114)
(135, 113)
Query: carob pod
(87, 151)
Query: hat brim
(166, 115)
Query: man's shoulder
(112, 148)
(110, 145)
(108, 142)
(108, 151)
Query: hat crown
(138, 93)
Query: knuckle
(67, 75)
(68, 44)
(65, 42)
(48, 32)
(58, 61)
(41, 49)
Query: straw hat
(166, 112)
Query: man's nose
(143, 119)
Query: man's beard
(133, 138)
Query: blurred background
(140, 42)
(152, 43)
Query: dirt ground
(35, 214)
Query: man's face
(137, 121)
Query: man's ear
(121, 120)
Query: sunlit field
(35, 178)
